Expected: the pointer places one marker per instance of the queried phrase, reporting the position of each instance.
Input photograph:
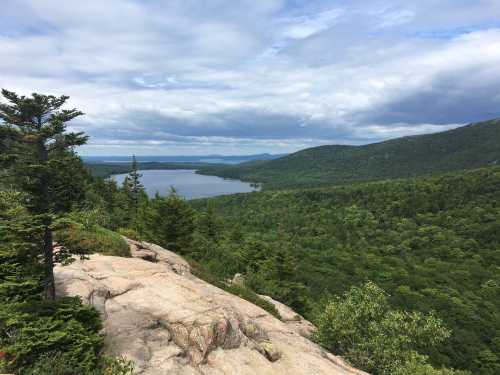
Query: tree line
(400, 276)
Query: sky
(196, 77)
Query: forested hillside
(107, 169)
(472, 146)
(432, 243)
(401, 277)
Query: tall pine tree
(135, 194)
(42, 161)
(136, 187)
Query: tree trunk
(48, 247)
(48, 252)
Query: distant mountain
(216, 159)
(472, 146)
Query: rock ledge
(167, 321)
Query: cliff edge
(157, 314)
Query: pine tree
(171, 222)
(42, 159)
(134, 196)
(20, 238)
(208, 223)
(136, 188)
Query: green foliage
(277, 276)
(134, 194)
(415, 367)
(364, 329)
(247, 294)
(40, 162)
(118, 366)
(107, 199)
(56, 363)
(40, 337)
(20, 239)
(129, 233)
(30, 330)
(47, 338)
(170, 222)
(431, 243)
(468, 147)
(42, 149)
(81, 239)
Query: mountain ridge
(467, 147)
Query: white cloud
(305, 26)
(344, 73)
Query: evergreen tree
(34, 137)
(20, 238)
(208, 224)
(134, 194)
(171, 222)
(136, 188)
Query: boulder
(238, 279)
(167, 321)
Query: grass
(93, 239)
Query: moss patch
(94, 239)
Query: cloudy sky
(166, 77)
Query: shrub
(55, 338)
(364, 329)
(28, 331)
(94, 239)
(56, 363)
(118, 366)
(415, 366)
(129, 233)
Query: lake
(187, 183)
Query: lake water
(187, 183)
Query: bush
(94, 239)
(55, 338)
(364, 329)
(130, 233)
(56, 363)
(415, 367)
(28, 331)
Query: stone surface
(293, 320)
(238, 279)
(167, 321)
(157, 254)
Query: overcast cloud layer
(247, 76)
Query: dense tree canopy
(363, 328)
(401, 276)
(467, 147)
(432, 243)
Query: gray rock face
(167, 321)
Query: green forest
(432, 243)
(472, 146)
(400, 276)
